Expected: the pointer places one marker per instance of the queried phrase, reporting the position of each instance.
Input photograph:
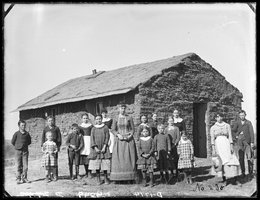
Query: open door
(199, 130)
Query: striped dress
(185, 151)
(50, 159)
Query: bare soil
(205, 185)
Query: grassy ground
(204, 184)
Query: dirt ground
(205, 185)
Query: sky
(48, 44)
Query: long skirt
(123, 160)
(230, 167)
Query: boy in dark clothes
(75, 143)
(21, 139)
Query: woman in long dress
(222, 145)
(124, 156)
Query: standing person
(186, 157)
(153, 125)
(162, 152)
(178, 121)
(74, 143)
(21, 140)
(144, 124)
(108, 122)
(123, 167)
(56, 135)
(49, 148)
(146, 161)
(174, 135)
(85, 129)
(222, 145)
(99, 154)
(243, 130)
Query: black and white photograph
(134, 100)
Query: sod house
(184, 82)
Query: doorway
(199, 130)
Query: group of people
(113, 146)
(231, 144)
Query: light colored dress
(185, 151)
(221, 137)
(50, 159)
(124, 155)
(85, 151)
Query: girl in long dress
(85, 129)
(222, 144)
(99, 154)
(123, 167)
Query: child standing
(108, 122)
(174, 135)
(162, 151)
(74, 143)
(186, 157)
(21, 140)
(85, 129)
(50, 149)
(144, 123)
(146, 161)
(99, 153)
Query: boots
(18, 180)
(71, 172)
(24, 178)
(98, 178)
(166, 177)
(55, 178)
(106, 179)
(151, 179)
(145, 179)
(250, 167)
(77, 172)
(86, 170)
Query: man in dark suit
(244, 134)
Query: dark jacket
(56, 134)
(21, 141)
(75, 139)
(247, 129)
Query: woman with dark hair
(178, 121)
(222, 145)
(153, 125)
(108, 122)
(85, 129)
(123, 167)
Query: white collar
(183, 141)
(106, 119)
(171, 127)
(145, 138)
(220, 124)
(144, 124)
(176, 120)
(86, 125)
(99, 126)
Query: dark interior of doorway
(199, 130)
